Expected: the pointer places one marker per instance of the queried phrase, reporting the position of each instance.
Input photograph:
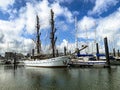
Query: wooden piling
(97, 50)
(114, 52)
(78, 51)
(33, 52)
(107, 51)
(57, 54)
(65, 50)
(118, 53)
(15, 58)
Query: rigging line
(86, 39)
(76, 31)
(95, 34)
(95, 38)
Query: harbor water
(32, 78)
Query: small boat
(84, 60)
(113, 60)
(2, 62)
(87, 61)
(37, 61)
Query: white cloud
(4, 5)
(69, 46)
(63, 24)
(13, 29)
(30, 17)
(102, 6)
(86, 23)
(86, 28)
(75, 13)
(65, 1)
(62, 11)
(117, 43)
(105, 27)
(109, 26)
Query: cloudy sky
(96, 19)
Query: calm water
(24, 78)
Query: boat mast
(38, 44)
(76, 36)
(87, 40)
(52, 34)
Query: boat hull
(87, 63)
(52, 62)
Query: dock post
(65, 50)
(15, 60)
(114, 52)
(107, 51)
(118, 53)
(97, 49)
(32, 52)
(57, 54)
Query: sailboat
(42, 60)
(84, 59)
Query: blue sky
(96, 19)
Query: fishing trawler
(43, 60)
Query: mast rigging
(52, 34)
(38, 44)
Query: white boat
(61, 61)
(52, 62)
(84, 61)
(2, 62)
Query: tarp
(84, 55)
(100, 54)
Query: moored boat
(37, 61)
(51, 62)
(87, 62)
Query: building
(9, 55)
(12, 55)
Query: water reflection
(24, 78)
(48, 77)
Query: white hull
(88, 63)
(91, 62)
(2, 62)
(84, 61)
(52, 62)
